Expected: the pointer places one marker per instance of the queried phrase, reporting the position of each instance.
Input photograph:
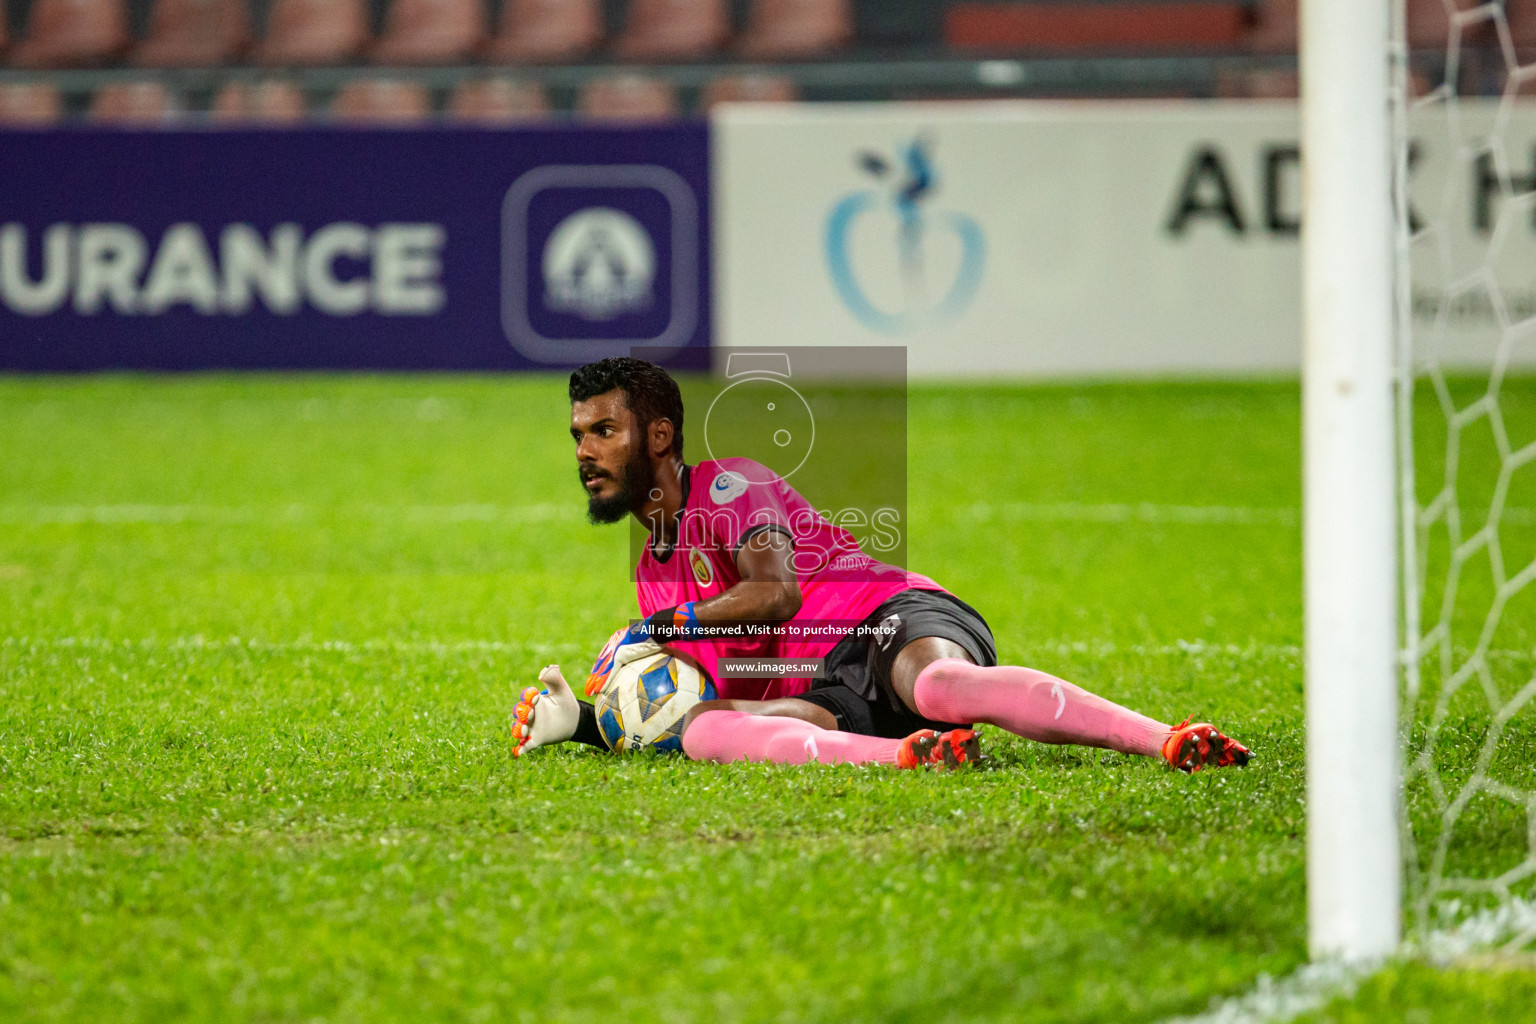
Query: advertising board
(1086, 239)
(434, 248)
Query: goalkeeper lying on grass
(740, 565)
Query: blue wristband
(669, 624)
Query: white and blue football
(644, 702)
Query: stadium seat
(796, 28)
(673, 29)
(71, 33)
(30, 103)
(498, 101)
(538, 30)
(1522, 27)
(628, 98)
(147, 103)
(310, 32)
(1277, 28)
(194, 33)
(273, 101)
(431, 32)
(381, 101)
(1140, 25)
(1429, 24)
(748, 89)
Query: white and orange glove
(553, 714)
(544, 716)
(625, 645)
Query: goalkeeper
(737, 564)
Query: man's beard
(637, 477)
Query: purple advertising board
(333, 248)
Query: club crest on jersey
(700, 566)
(728, 486)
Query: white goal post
(1354, 867)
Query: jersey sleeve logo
(700, 566)
(727, 487)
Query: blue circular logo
(916, 228)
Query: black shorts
(857, 685)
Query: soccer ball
(644, 702)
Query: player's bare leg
(937, 679)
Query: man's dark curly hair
(649, 391)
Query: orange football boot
(948, 749)
(1190, 748)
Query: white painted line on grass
(202, 643)
(1109, 649)
(154, 515)
(139, 513)
(135, 513)
(1144, 512)
(1273, 1001)
(1097, 649)
(1511, 925)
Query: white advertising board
(1076, 238)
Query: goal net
(1465, 198)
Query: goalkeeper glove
(641, 640)
(544, 716)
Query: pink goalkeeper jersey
(725, 503)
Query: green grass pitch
(259, 637)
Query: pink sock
(1033, 705)
(727, 736)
